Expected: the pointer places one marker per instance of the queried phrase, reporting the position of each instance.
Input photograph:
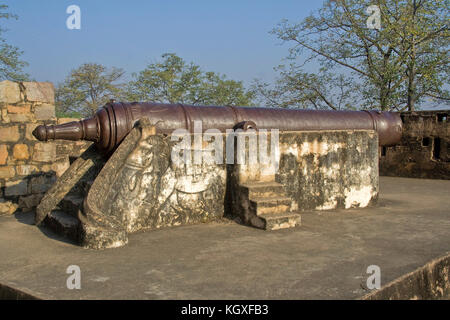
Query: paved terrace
(325, 258)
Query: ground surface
(325, 258)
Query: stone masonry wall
(29, 167)
(424, 151)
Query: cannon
(111, 124)
(141, 186)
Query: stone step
(63, 224)
(71, 204)
(270, 205)
(281, 220)
(262, 189)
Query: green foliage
(172, 80)
(393, 68)
(10, 64)
(68, 114)
(86, 89)
(298, 89)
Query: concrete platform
(325, 258)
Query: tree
(10, 64)
(394, 67)
(297, 89)
(87, 88)
(172, 80)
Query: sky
(230, 37)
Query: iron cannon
(110, 125)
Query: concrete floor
(325, 258)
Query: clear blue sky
(230, 37)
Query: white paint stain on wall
(332, 171)
(331, 203)
(319, 148)
(291, 149)
(358, 197)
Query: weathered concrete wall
(28, 167)
(430, 282)
(140, 187)
(336, 169)
(425, 148)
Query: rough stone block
(25, 169)
(45, 112)
(44, 152)
(71, 204)
(5, 116)
(19, 109)
(7, 207)
(20, 117)
(9, 134)
(63, 223)
(27, 203)
(16, 188)
(29, 131)
(20, 152)
(65, 120)
(82, 171)
(39, 91)
(42, 183)
(7, 172)
(46, 168)
(9, 92)
(3, 154)
(70, 148)
(64, 147)
(281, 221)
(60, 167)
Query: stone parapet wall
(429, 282)
(424, 151)
(29, 167)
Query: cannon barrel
(109, 126)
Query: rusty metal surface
(115, 120)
